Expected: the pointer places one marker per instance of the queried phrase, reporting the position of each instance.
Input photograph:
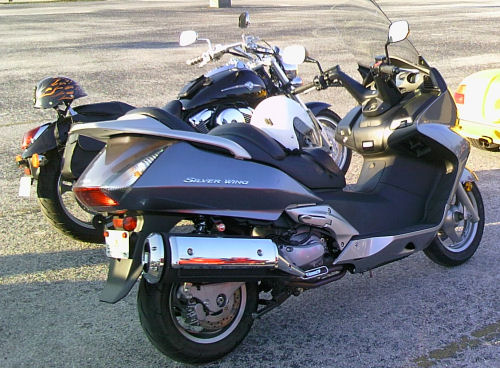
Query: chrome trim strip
(140, 124)
(207, 252)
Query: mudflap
(122, 275)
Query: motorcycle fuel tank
(228, 84)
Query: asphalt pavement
(412, 313)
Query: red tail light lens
(459, 95)
(94, 197)
(129, 223)
(28, 137)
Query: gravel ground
(411, 313)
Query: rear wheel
(340, 154)
(196, 323)
(459, 238)
(478, 144)
(60, 206)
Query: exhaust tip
(153, 258)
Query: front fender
(316, 107)
(468, 175)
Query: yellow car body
(478, 103)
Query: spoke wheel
(459, 237)
(60, 206)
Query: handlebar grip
(194, 61)
(304, 88)
(389, 69)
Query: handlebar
(195, 60)
(389, 69)
(304, 88)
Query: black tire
(60, 206)
(492, 148)
(340, 154)
(447, 252)
(162, 312)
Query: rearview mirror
(188, 38)
(244, 20)
(294, 55)
(398, 31)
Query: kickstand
(271, 304)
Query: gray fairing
(198, 181)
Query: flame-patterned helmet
(52, 91)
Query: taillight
(129, 223)
(459, 95)
(94, 197)
(29, 137)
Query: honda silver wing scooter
(269, 223)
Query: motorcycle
(267, 223)
(224, 95)
(42, 158)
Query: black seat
(165, 117)
(174, 107)
(101, 111)
(310, 168)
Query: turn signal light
(35, 161)
(94, 197)
(459, 95)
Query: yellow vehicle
(478, 102)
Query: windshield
(363, 27)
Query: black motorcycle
(227, 94)
(270, 223)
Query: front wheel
(340, 154)
(60, 206)
(459, 237)
(196, 323)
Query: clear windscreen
(363, 28)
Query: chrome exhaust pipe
(193, 252)
(217, 253)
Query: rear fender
(43, 143)
(122, 274)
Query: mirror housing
(244, 20)
(398, 31)
(295, 54)
(188, 38)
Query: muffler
(196, 252)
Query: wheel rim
(212, 328)
(77, 213)
(458, 231)
(337, 151)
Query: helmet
(282, 118)
(52, 91)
